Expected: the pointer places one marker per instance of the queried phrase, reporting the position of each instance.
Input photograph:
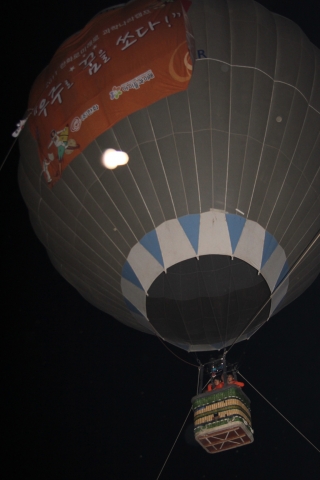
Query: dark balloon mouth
(207, 301)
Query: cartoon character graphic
(45, 167)
(64, 145)
(60, 140)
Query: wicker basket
(222, 419)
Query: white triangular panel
(250, 245)
(174, 244)
(214, 236)
(145, 266)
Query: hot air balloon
(204, 224)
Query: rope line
(292, 269)
(279, 413)
(173, 444)
(6, 157)
(161, 340)
(182, 360)
(198, 380)
(20, 126)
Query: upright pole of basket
(224, 375)
(200, 385)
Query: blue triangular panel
(191, 227)
(132, 308)
(269, 246)
(151, 243)
(235, 226)
(128, 274)
(284, 271)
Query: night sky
(85, 396)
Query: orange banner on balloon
(123, 60)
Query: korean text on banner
(122, 61)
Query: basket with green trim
(222, 419)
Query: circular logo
(75, 124)
(187, 62)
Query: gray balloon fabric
(219, 199)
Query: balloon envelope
(220, 196)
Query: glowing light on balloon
(111, 158)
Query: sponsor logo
(89, 112)
(77, 122)
(133, 84)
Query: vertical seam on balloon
(38, 207)
(300, 224)
(117, 304)
(75, 272)
(313, 85)
(120, 186)
(230, 95)
(306, 257)
(164, 171)
(280, 150)
(39, 196)
(37, 211)
(259, 70)
(141, 197)
(265, 134)
(305, 119)
(194, 151)
(210, 114)
(148, 173)
(310, 187)
(98, 179)
(82, 208)
(251, 104)
(293, 192)
(179, 163)
(314, 75)
(285, 177)
(111, 241)
(306, 164)
(302, 276)
(145, 166)
(76, 249)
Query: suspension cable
(177, 356)
(6, 157)
(173, 444)
(279, 412)
(15, 134)
(161, 340)
(198, 380)
(182, 425)
(292, 269)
